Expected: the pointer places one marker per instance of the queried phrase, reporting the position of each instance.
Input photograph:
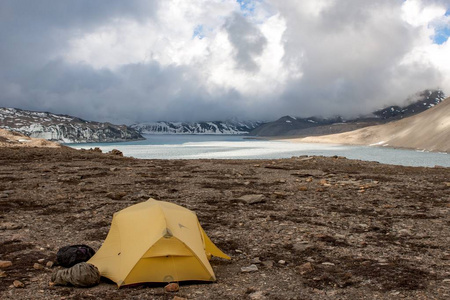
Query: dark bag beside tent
(69, 256)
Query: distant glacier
(214, 127)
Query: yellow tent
(156, 241)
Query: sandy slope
(429, 130)
(13, 139)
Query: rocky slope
(215, 127)
(294, 126)
(15, 139)
(63, 128)
(429, 130)
(427, 99)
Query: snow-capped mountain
(63, 128)
(216, 127)
(289, 125)
(427, 99)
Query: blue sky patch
(247, 6)
(443, 33)
(198, 32)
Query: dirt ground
(325, 228)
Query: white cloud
(421, 13)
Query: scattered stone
(303, 188)
(324, 182)
(257, 296)
(172, 287)
(18, 284)
(404, 232)
(256, 260)
(179, 298)
(49, 264)
(282, 262)
(2, 274)
(37, 266)
(41, 260)
(268, 264)
(305, 268)
(5, 263)
(302, 246)
(115, 152)
(116, 195)
(328, 264)
(251, 268)
(446, 280)
(252, 199)
(113, 169)
(279, 194)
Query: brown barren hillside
(429, 130)
(14, 139)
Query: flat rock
(251, 268)
(5, 263)
(252, 199)
(268, 263)
(18, 284)
(300, 247)
(256, 260)
(305, 268)
(257, 296)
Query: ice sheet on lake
(255, 149)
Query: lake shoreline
(339, 142)
(245, 147)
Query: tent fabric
(156, 241)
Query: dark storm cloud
(247, 41)
(134, 93)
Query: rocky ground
(313, 227)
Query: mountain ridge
(63, 128)
(428, 130)
(295, 126)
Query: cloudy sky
(185, 60)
